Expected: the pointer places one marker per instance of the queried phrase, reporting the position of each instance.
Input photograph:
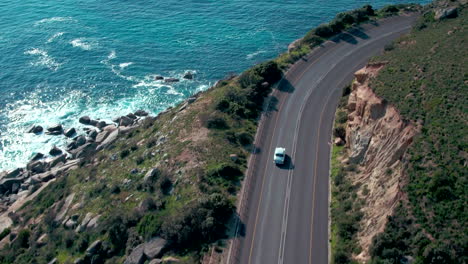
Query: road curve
(284, 210)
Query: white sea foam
(83, 43)
(43, 59)
(254, 54)
(53, 19)
(125, 65)
(112, 55)
(56, 35)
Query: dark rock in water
(85, 120)
(188, 76)
(93, 122)
(159, 78)
(37, 156)
(55, 128)
(54, 133)
(101, 124)
(93, 134)
(171, 80)
(116, 120)
(70, 132)
(36, 166)
(125, 121)
(132, 116)
(81, 140)
(191, 100)
(141, 113)
(55, 151)
(35, 129)
(72, 146)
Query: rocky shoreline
(22, 184)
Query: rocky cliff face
(376, 138)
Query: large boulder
(125, 121)
(94, 248)
(101, 136)
(101, 124)
(60, 159)
(84, 151)
(8, 184)
(151, 175)
(36, 166)
(35, 129)
(109, 140)
(38, 156)
(141, 113)
(444, 13)
(154, 247)
(93, 134)
(55, 151)
(55, 128)
(14, 173)
(137, 256)
(85, 120)
(70, 132)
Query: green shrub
(149, 226)
(225, 171)
(198, 223)
(245, 139)
(217, 121)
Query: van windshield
(279, 154)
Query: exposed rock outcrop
(377, 138)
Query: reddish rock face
(377, 139)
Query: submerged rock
(188, 76)
(171, 80)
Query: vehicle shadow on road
(288, 164)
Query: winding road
(284, 211)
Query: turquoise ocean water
(64, 59)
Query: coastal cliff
(377, 138)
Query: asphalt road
(284, 210)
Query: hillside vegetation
(426, 79)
